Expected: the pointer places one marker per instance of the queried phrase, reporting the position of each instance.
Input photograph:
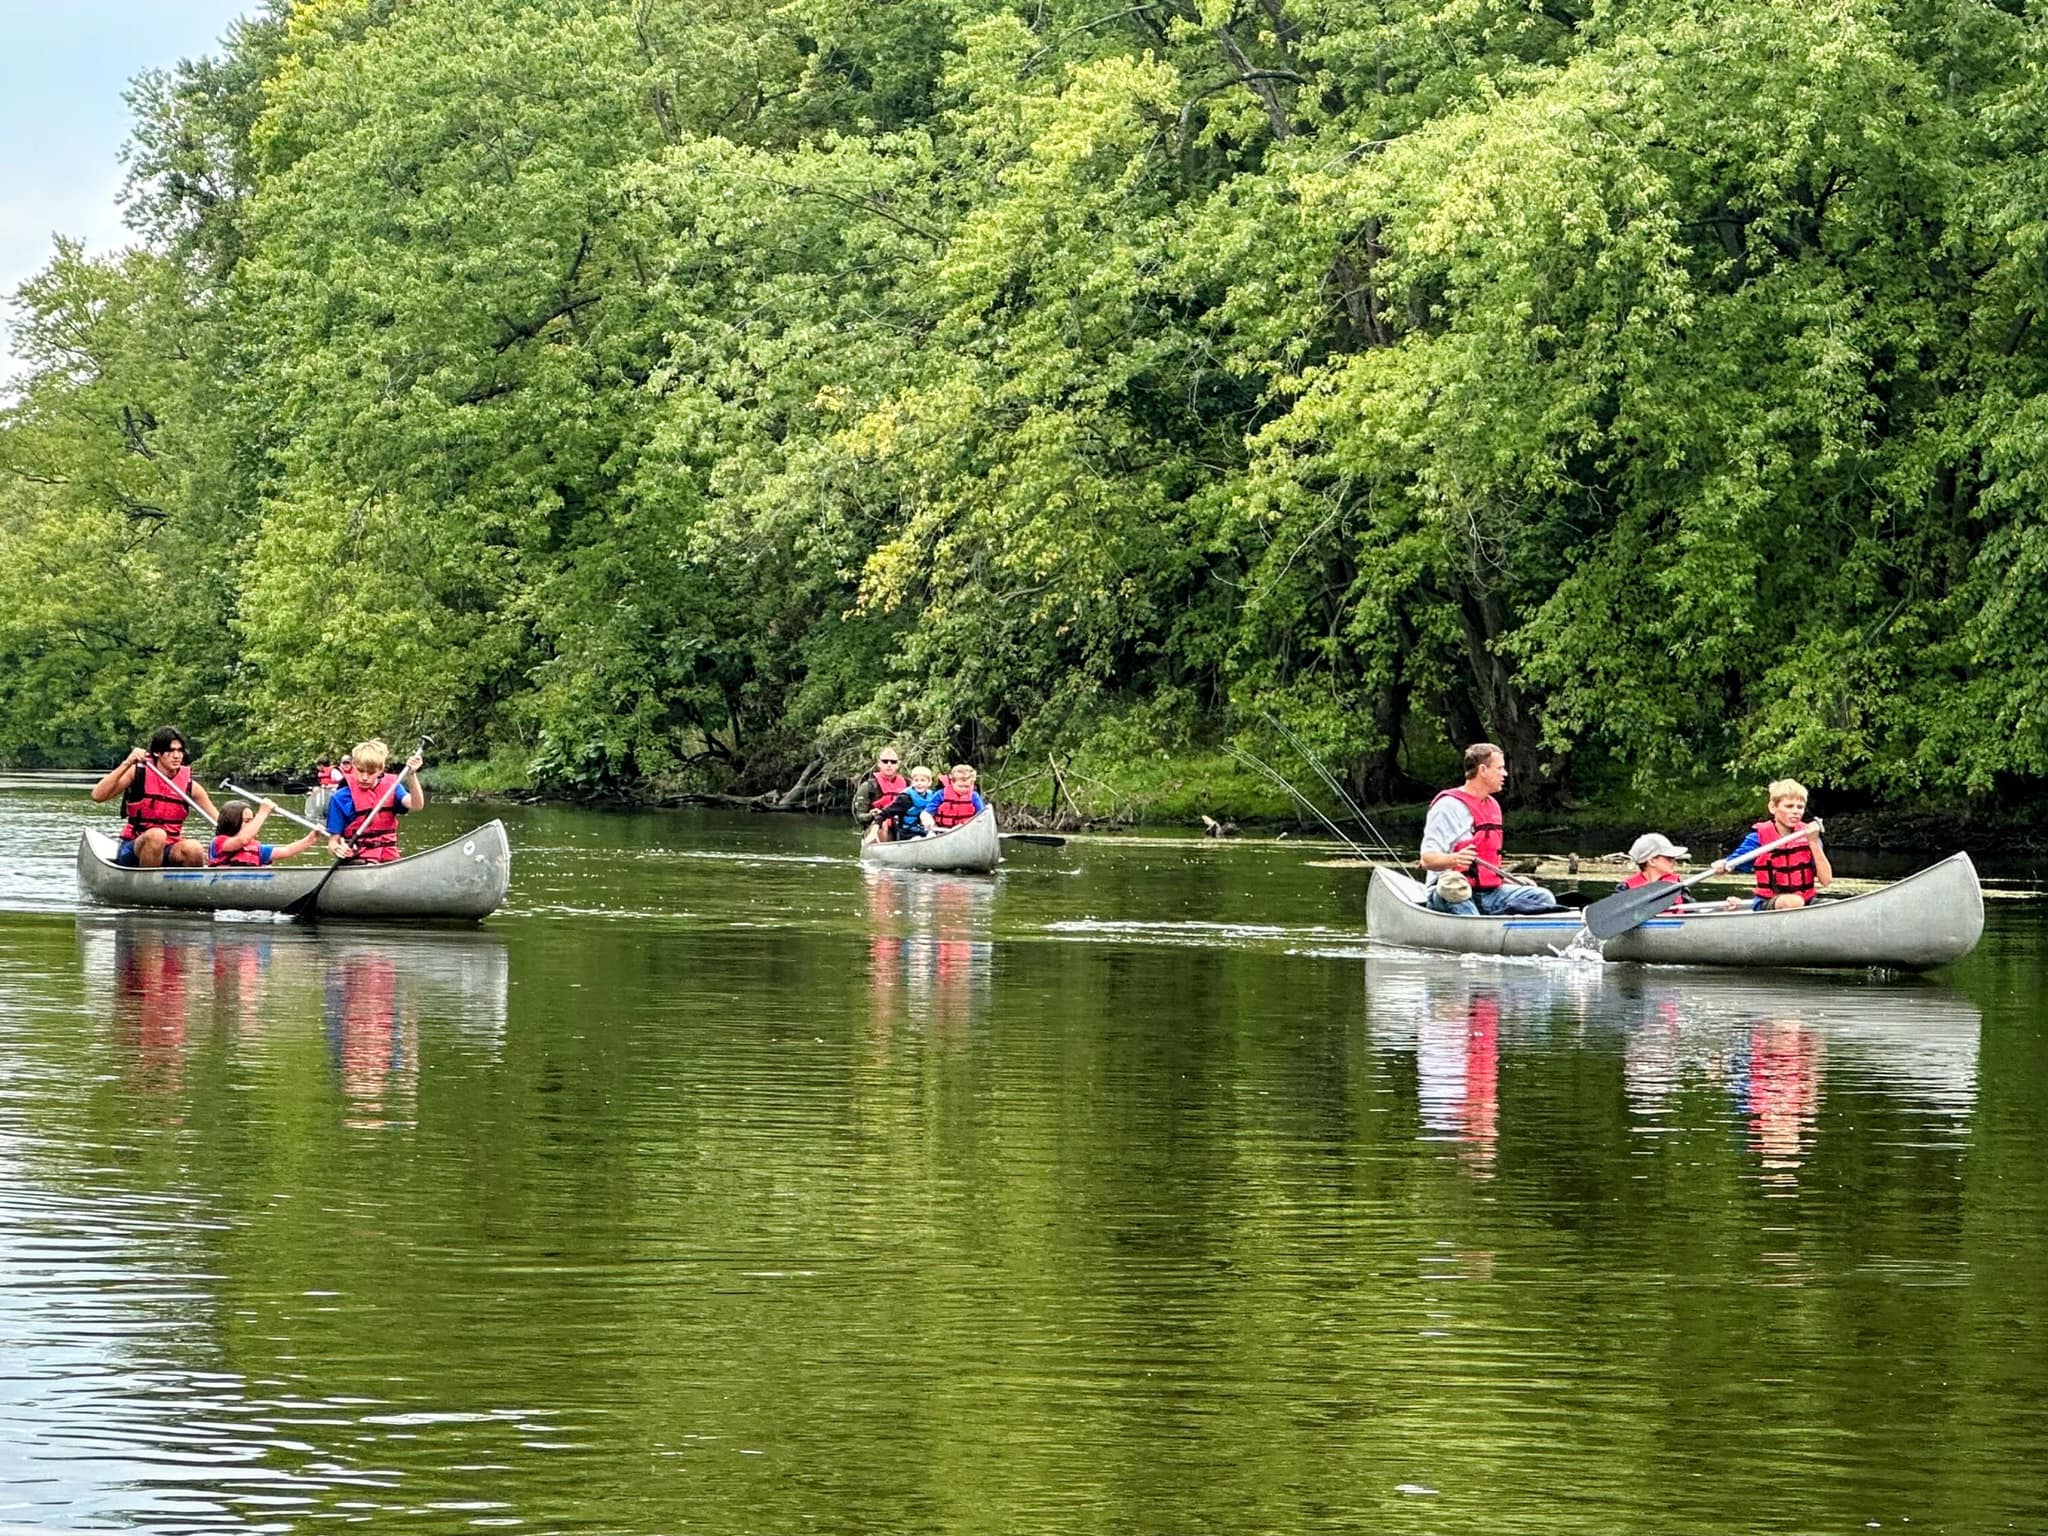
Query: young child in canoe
(1657, 858)
(235, 838)
(960, 802)
(910, 812)
(1791, 876)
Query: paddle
(1625, 909)
(1036, 839)
(306, 905)
(165, 780)
(230, 787)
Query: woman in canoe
(157, 793)
(236, 834)
(1791, 876)
(362, 816)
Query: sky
(64, 65)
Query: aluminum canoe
(1928, 919)
(973, 847)
(466, 878)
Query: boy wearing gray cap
(1656, 858)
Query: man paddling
(363, 813)
(1464, 832)
(878, 787)
(157, 793)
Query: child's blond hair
(370, 756)
(1782, 789)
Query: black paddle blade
(303, 906)
(1039, 839)
(1625, 909)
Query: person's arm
(414, 798)
(339, 809)
(864, 793)
(205, 803)
(1748, 845)
(1823, 871)
(1447, 823)
(117, 777)
(293, 850)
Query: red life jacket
(887, 787)
(1643, 877)
(330, 778)
(154, 805)
(1787, 871)
(248, 853)
(1488, 836)
(375, 837)
(954, 809)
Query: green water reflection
(719, 1186)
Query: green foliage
(664, 395)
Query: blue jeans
(1501, 899)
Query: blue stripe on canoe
(1669, 922)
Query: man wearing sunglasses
(880, 786)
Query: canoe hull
(1929, 919)
(463, 880)
(974, 847)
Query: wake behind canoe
(461, 880)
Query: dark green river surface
(718, 1185)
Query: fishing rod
(1274, 774)
(1336, 787)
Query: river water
(718, 1185)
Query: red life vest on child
(375, 837)
(954, 809)
(1487, 839)
(154, 805)
(1643, 877)
(248, 853)
(1787, 871)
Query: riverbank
(1164, 791)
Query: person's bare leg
(186, 853)
(149, 848)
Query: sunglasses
(890, 762)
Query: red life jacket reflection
(154, 805)
(954, 808)
(1488, 837)
(1787, 871)
(248, 853)
(375, 836)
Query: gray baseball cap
(1649, 845)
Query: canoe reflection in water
(929, 950)
(1769, 1047)
(179, 982)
